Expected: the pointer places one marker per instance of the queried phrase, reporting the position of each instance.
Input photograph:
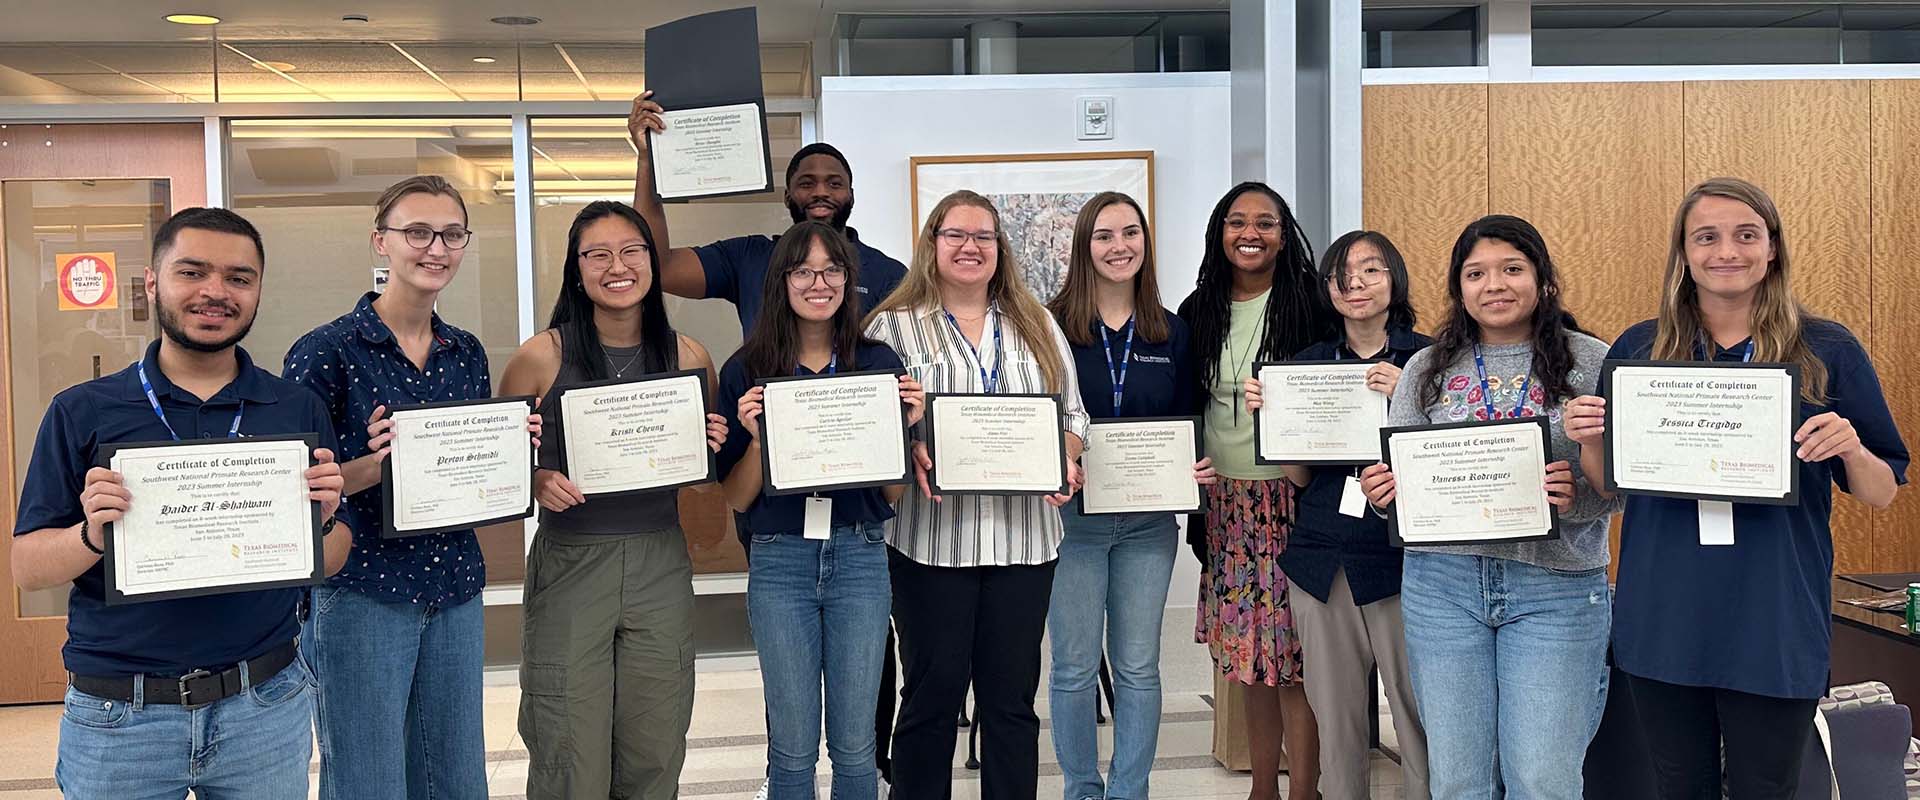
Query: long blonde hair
(1779, 320)
(921, 287)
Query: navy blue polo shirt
(1159, 374)
(1753, 616)
(1324, 540)
(162, 637)
(787, 513)
(355, 365)
(737, 270)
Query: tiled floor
(726, 753)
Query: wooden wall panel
(1809, 144)
(1425, 176)
(1896, 240)
(1581, 163)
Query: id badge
(819, 524)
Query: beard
(840, 215)
(170, 325)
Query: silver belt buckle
(186, 694)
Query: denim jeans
(1509, 669)
(1111, 583)
(253, 746)
(819, 615)
(399, 712)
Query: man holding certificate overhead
(168, 494)
(1726, 553)
(1506, 622)
(972, 573)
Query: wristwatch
(85, 525)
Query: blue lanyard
(1118, 379)
(833, 365)
(1707, 348)
(154, 401)
(1486, 392)
(988, 382)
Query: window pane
(1880, 34)
(945, 44)
(309, 185)
(1575, 35)
(1447, 36)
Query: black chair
(1099, 715)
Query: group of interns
(1493, 655)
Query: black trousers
(883, 713)
(978, 624)
(1685, 726)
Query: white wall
(880, 122)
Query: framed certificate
(1703, 430)
(1006, 444)
(824, 432)
(1317, 412)
(457, 465)
(711, 152)
(212, 516)
(1470, 482)
(626, 436)
(1141, 464)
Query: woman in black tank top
(606, 674)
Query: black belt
(194, 689)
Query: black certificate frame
(387, 530)
(114, 597)
(933, 438)
(1546, 444)
(766, 446)
(706, 407)
(1199, 447)
(1791, 498)
(1261, 458)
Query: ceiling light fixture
(357, 19)
(273, 66)
(484, 59)
(192, 19)
(516, 20)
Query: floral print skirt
(1243, 614)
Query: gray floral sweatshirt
(1583, 528)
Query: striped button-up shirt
(976, 530)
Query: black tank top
(651, 512)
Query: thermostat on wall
(1096, 118)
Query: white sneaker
(762, 794)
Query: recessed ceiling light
(484, 59)
(271, 66)
(354, 18)
(192, 19)
(516, 20)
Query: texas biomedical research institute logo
(87, 282)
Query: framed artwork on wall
(1038, 196)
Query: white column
(996, 46)
(1296, 106)
(1509, 48)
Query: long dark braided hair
(1552, 346)
(1298, 312)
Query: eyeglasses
(601, 258)
(1263, 225)
(958, 238)
(421, 237)
(804, 277)
(1368, 277)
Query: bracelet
(327, 527)
(86, 525)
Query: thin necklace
(621, 371)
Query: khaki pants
(1341, 643)
(606, 679)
